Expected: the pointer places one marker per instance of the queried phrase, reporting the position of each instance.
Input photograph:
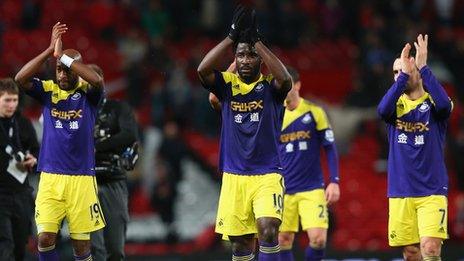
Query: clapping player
(67, 187)
(416, 109)
(252, 109)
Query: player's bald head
(67, 78)
(73, 54)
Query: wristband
(66, 60)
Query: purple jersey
(251, 120)
(68, 122)
(416, 133)
(304, 130)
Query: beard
(250, 76)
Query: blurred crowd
(156, 46)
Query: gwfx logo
(411, 126)
(297, 135)
(66, 115)
(246, 106)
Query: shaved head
(67, 78)
(73, 54)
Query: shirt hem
(246, 173)
(415, 195)
(291, 192)
(60, 172)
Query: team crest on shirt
(424, 107)
(259, 87)
(76, 96)
(306, 119)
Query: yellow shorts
(244, 199)
(309, 206)
(413, 218)
(71, 196)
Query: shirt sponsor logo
(412, 126)
(306, 119)
(66, 115)
(296, 135)
(246, 106)
(402, 138)
(73, 125)
(238, 118)
(254, 117)
(424, 107)
(419, 140)
(58, 124)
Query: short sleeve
(94, 95)
(322, 121)
(219, 86)
(39, 89)
(278, 94)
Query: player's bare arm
(24, 76)
(213, 61)
(276, 67)
(84, 71)
(214, 58)
(213, 100)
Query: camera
(101, 133)
(130, 156)
(19, 156)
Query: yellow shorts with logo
(413, 218)
(309, 206)
(73, 197)
(244, 199)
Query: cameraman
(115, 133)
(18, 155)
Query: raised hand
(421, 50)
(57, 31)
(407, 63)
(240, 21)
(58, 51)
(255, 37)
